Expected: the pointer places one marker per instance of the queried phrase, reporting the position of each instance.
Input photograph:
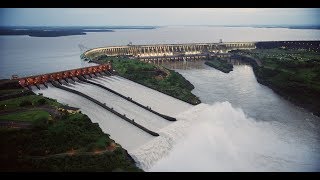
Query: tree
(42, 101)
(25, 103)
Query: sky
(157, 16)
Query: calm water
(24, 55)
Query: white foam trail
(159, 147)
(219, 137)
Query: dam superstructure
(62, 75)
(169, 51)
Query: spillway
(158, 101)
(124, 133)
(144, 148)
(132, 111)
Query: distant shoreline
(60, 31)
(317, 27)
(287, 27)
(57, 31)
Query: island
(220, 64)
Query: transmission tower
(82, 50)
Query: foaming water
(219, 137)
(148, 154)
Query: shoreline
(220, 65)
(43, 31)
(262, 80)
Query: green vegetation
(30, 116)
(15, 103)
(25, 103)
(294, 74)
(42, 101)
(55, 141)
(220, 64)
(155, 77)
(9, 91)
(67, 144)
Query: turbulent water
(223, 138)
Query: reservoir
(26, 56)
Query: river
(240, 125)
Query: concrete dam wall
(171, 51)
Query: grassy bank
(294, 74)
(220, 64)
(56, 141)
(28, 116)
(155, 77)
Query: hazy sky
(158, 16)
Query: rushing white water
(132, 111)
(148, 154)
(159, 102)
(222, 138)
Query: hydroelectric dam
(138, 118)
(169, 52)
(152, 125)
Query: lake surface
(25, 56)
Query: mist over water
(223, 138)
